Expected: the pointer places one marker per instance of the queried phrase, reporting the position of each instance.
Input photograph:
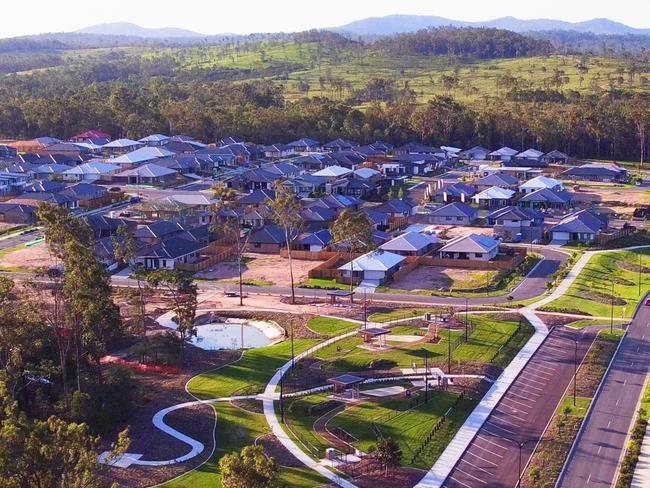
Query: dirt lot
(36, 256)
(617, 196)
(264, 267)
(437, 278)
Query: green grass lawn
(301, 420)
(492, 341)
(408, 429)
(401, 313)
(590, 293)
(237, 428)
(331, 327)
(248, 375)
(324, 284)
(580, 409)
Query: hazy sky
(18, 17)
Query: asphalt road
(595, 457)
(493, 457)
(16, 240)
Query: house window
(257, 245)
(459, 219)
(500, 222)
(478, 254)
(447, 218)
(164, 263)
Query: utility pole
(293, 360)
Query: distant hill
(132, 30)
(399, 24)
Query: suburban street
(493, 457)
(599, 447)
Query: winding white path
(440, 470)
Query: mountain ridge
(129, 29)
(400, 24)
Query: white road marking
(520, 405)
(599, 448)
(489, 441)
(533, 380)
(500, 456)
(521, 396)
(501, 419)
(463, 460)
(459, 482)
(492, 424)
(469, 452)
(471, 475)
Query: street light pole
(449, 348)
(365, 310)
(639, 274)
(466, 317)
(293, 360)
(521, 446)
(426, 376)
(611, 321)
(575, 371)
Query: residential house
(496, 179)
(396, 207)
(316, 218)
(306, 185)
(169, 253)
(581, 226)
(540, 182)
(340, 145)
(67, 149)
(13, 183)
(43, 186)
(503, 154)
(91, 134)
(103, 226)
(51, 170)
(56, 199)
(158, 231)
(458, 192)
(455, 213)
(312, 241)
(278, 151)
(515, 224)
(305, 145)
(545, 199)
(256, 198)
(530, 154)
(380, 220)
(16, 213)
(314, 162)
(473, 247)
(337, 203)
(523, 173)
(154, 140)
(267, 240)
(493, 197)
(556, 157)
(476, 153)
(253, 179)
(333, 173)
(525, 163)
(606, 173)
(91, 171)
(88, 195)
(7, 151)
(411, 244)
(121, 146)
(372, 269)
(148, 174)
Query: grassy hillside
(314, 69)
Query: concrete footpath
(641, 477)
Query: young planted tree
(183, 290)
(353, 229)
(286, 214)
(124, 245)
(388, 453)
(250, 468)
(226, 225)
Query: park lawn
(590, 293)
(248, 375)
(409, 428)
(300, 423)
(237, 428)
(331, 327)
(493, 340)
(325, 284)
(345, 355)
(581, 324)
(401, 313)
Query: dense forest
(467, 42)
(325, 86)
